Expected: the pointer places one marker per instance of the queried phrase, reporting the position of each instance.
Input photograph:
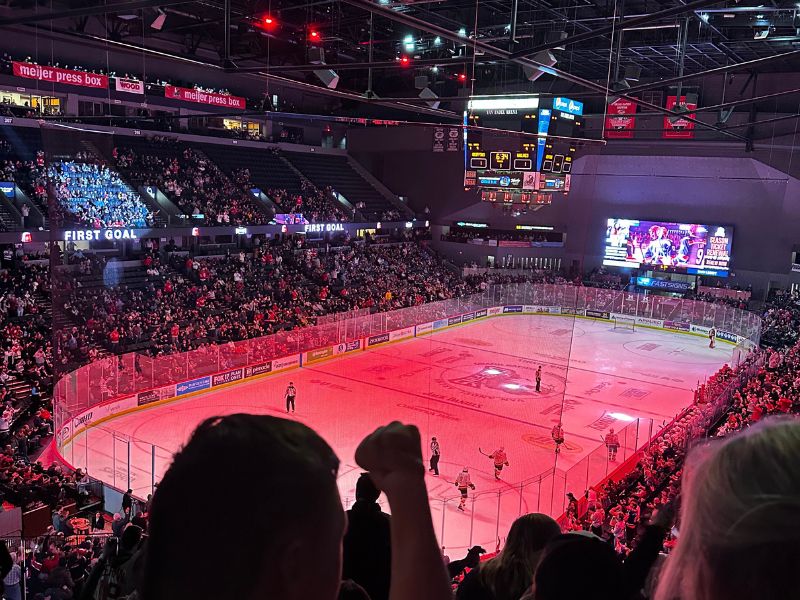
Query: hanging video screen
(697, 249)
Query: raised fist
(393, 456)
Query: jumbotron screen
(685, 247)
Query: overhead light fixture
(462, 32)
(633, 72)
(437, 41)
(408, 43)
(158, 23)
(434, 69)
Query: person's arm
(393, 457)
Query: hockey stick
(484, 453)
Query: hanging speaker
(546, 58)
(428, 94)
(316, 55)
(328, 77)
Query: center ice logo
(499, 379)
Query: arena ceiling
(392, 49)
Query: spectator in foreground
(279, 477)
(578, 565)
(367, 543)
(510, 573)
(740, 535)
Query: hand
(393, 456)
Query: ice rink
(470, 386)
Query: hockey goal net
(624, 323)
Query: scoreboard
(520, 164)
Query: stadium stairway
(267, 170)
(338, 172)
(9, 217)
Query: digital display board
(684, 247)
(540, 162)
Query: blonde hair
(740, 533)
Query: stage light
(267, 21)
(434, 69)
(462, 32)
(314, 35)
(408, 43)
(462, 76)
(405, 61)
(437, 41)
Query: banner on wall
(438, 139)
(56, 75)
(621, 119)
(193, 95)
(130, 86)
(681, 129)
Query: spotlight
(314, 35)
(462, 76)
(462, 32)
(437, 41)
(404, 61)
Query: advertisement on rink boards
(423, 329)
(161, 393)
(479, 314)
(512, 309)
(347, 347)
(677, 325)
(193, 385)
(639, 320)
(401, 334)
(374, 340)
(102, 411)
(454, 320)
(317, 354)
(495, 310)
(227, 377)
(597, 314)
(569, 310)
(258, 369)
(287, 362)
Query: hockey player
(558, 436)
(463, 483)
(500, 460)
(712, 337)
(612, 444)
